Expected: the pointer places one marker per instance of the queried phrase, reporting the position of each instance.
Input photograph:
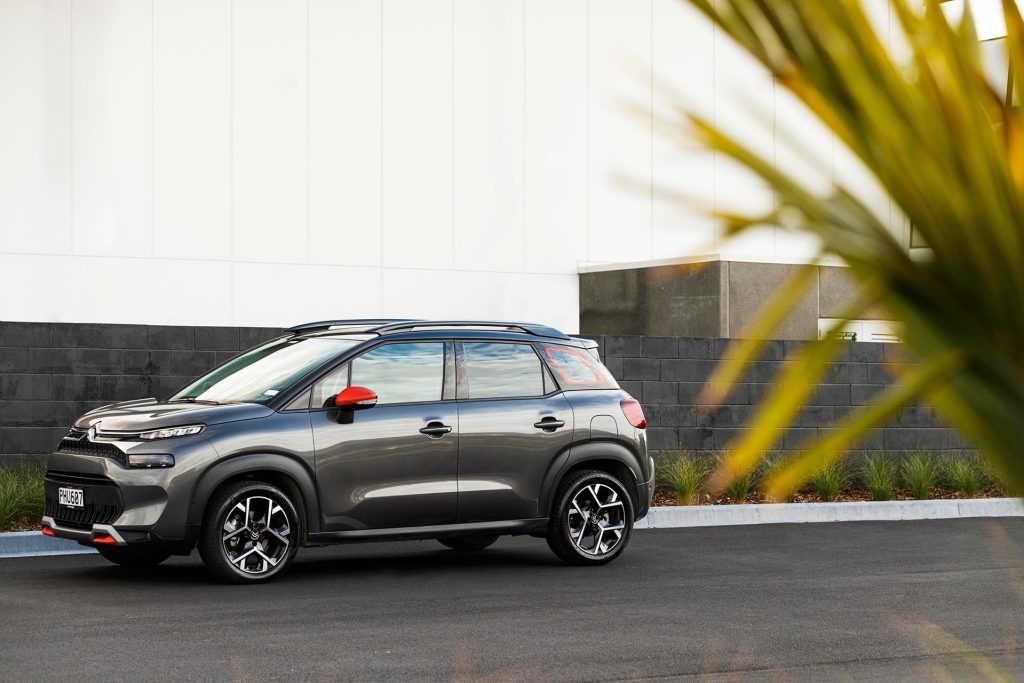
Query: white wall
(268, 162)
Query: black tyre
(134, 559)
(591, 519)
(250, 532)
(468, 542)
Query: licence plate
(72, 498)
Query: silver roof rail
(353, 322)
(528, 328)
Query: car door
(512, 423)
(394, 464)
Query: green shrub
(920, 475)
(996, 478)
(881, 476)
(739, 488)
(687, 474)
(21, 494)
(770, 467)
(965, 475)
(830, 480)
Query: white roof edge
(703, 258)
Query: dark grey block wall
(52, 372)
(666, 375)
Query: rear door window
(576, 368)
(500, 370)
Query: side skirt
(505, 528)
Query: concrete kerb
(797, 513)
(34, 544)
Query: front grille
(102, 500)
(80, 445)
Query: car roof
(367, 329)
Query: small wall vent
(884, 331)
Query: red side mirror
(355, 398)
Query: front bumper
(90, 536)
(122, 507)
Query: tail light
(633, 412)
(47, 531)
(103, 538)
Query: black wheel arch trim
(288, 466)
(579, 454)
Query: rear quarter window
(576, 368)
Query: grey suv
(357, 430)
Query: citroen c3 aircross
(358, 430)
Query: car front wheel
(591, 520)
(250, 532)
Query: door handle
(435, 430)
(549, 424)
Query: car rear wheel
(591, 520)
(468, 542)
(134, 559)
(250, 533)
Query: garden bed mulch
(23, 524)
(665, 497)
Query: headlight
(171, 432)
(150, 460)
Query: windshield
(263, 373)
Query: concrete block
(254, 336)
(898, 438)
(662, 438)
(25, 387)
(192, 363)
(52, 360)
(26, 440)
(641, 368)
(660, 392)
(623, 347)
(26, 334)
(13, 359)
(660, 347)
(99, 361)
(138, 362)
(216, 338)
(100, 336)
(171, 337)
(879, 374)
(686, 370)
(76, 388)
(832, 395)
(816, 416)
(697, 348)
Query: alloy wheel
(597, 519)
(256, 535)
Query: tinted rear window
(577, 369)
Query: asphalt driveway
(861, 601)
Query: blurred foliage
(949, 151)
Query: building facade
(208, 162)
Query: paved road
(860, 601)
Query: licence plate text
(72, 498)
